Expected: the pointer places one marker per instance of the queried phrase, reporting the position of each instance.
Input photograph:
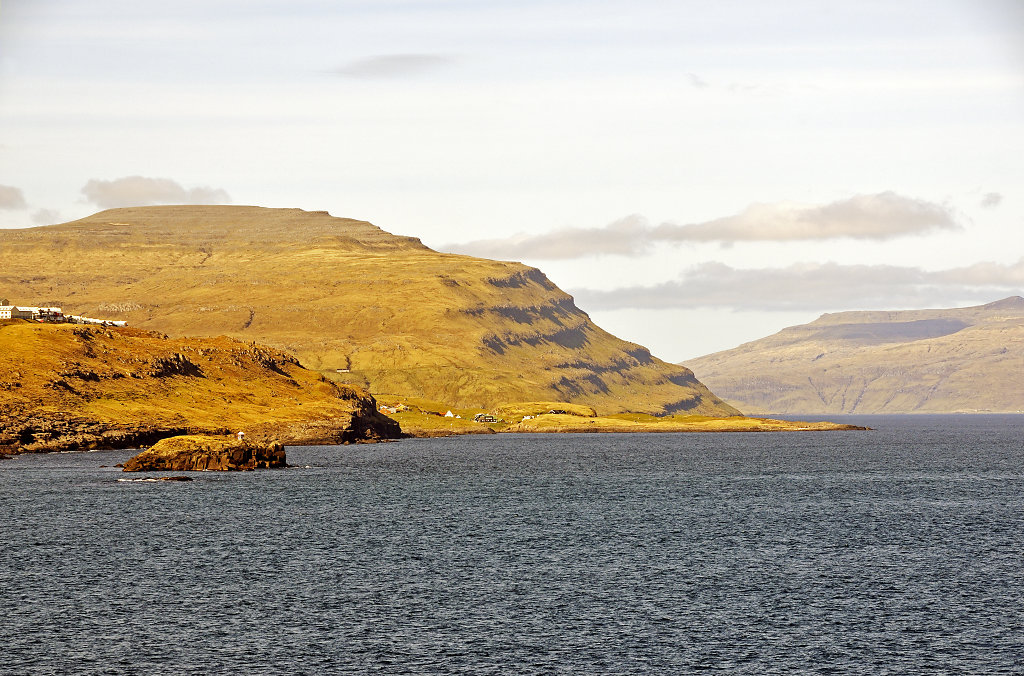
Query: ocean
(898, 550)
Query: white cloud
(876, 217)
(143, 191)
(813, 286)
(394, 65)
(627, 236)
(985, 274)
(880, 216)
(12, 198)
(46, 217)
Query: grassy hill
(348, 299)
(916, 361)
(77, 387)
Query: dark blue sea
(893, 551)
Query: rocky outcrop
(201, 452)
(76, 388)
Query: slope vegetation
(917, 361)
(79, 387)
(348, 299)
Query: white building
(16, 312)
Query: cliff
(958, 360)
(358, 304)
(67, 387)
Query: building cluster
(52, 315)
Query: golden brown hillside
(350, 300)
(916, 361)
(75, 387)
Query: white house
(16, 312)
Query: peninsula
(302, 320)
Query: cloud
(814, 287)
(991, 200)
(46, 217)
(696, 81)
(627, 236)
(746, 88)
(881, 216)
(394, 65)
(12, 198)
(143, 191)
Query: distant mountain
(915, 361)
(348, 299)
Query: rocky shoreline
(565, 424)
(62, 434)
(59, 433)
(79, 388)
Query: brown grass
(405, 321)
(128, 377)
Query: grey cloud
(46, 217)
(879, 216)
(991, 200)
(143, 191)
(697, 82)
(12, 198)
(814, 287)
(746, 88)
(626, 237)
(394, 65)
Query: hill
(67, 387)
(915, 361)
(356, 303)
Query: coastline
(621, 424)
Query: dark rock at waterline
(206, 452)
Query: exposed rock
(72, 388)
(154, 479)
(202, 452)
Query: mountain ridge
(351, 300)
(907, 361)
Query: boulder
(206, 452)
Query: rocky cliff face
(200, 453)
(359, 304)
(66, 387)
(916, 361)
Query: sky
(697, 174)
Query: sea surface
(893, 551)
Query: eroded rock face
(203, 452)
(65, 387)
